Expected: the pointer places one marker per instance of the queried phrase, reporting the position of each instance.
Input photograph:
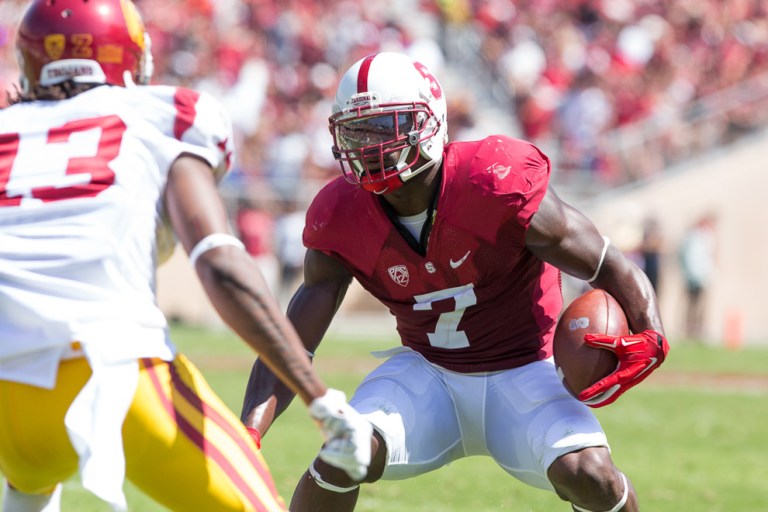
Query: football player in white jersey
(92, 168)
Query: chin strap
(128, 80)
(428, 165)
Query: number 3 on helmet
(389, 121)
(88, 41)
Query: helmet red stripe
(362, 75)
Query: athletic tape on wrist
(619, 505)
(213, 241)
(606, 243)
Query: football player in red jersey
(92, 168)
(464, 243)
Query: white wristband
(606, 243)
(211, 242)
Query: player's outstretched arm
(311, 310)
(234, 285)
(564, 237)
(232, 280)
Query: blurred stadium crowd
(574, 76)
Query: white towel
(94, 423)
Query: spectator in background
(651, 249)
(697, 259)
(256, 229)
(290, 246)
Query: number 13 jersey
(81, 185)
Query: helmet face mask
(389, 123)
(376, 145)
(86, 41)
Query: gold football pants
(183, 446)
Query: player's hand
(347, 434)
(639, 355)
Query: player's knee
(334, 479)
(331, 478)
(586, 473)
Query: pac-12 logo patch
(399, 274)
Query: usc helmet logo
(54, 45)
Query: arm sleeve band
(606, 243)
(213, 241)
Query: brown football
(579, 365)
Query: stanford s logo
(434, 87)
(399, 274)
(54, 46)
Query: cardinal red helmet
(389, 111)
(88, 41)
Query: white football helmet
(389, 111)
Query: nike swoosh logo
(622, 341)
(457, 264)
(648, 368)
(608, 344)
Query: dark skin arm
(564, 237)
(311, 311)
(232, 280)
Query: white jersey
(81, 184)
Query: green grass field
(692, 437)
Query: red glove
(638, 354)
(255, 436)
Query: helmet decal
(82, 46)
(362, 76)
(434, 86)
(54, 46)
(110, 54)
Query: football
(578, 364)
